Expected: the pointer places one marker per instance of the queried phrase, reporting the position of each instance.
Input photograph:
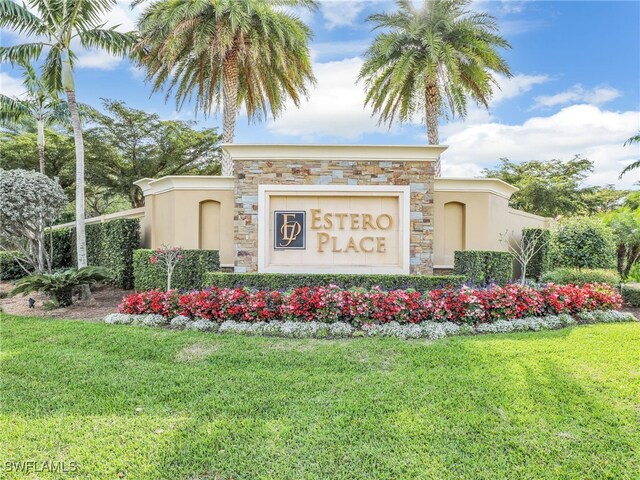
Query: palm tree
(53, 25)
(39, 104)
(251, 52)
(430, 61)
(633, 165)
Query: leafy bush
(9, 268)
(189, 273)
(541, 260)
(359, 307)
(288, 281)
(583, 242)
(631, 294)
(482, 267)
(564, 276)
(59, 286)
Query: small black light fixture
(32, 303)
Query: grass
(128, 402)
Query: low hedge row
(576, 276)
(289, 281)
(188, 274)
(482, 267)
(631, 294)
(359, 307)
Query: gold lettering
(381, 246)
(341, 217)
(355, 221)
(335, 248)
(322, 239)
(367, 221)
(328, 223)
(315, 219)
(363, 247)
(352, 245)
(389, 221)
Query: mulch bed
(106, 300)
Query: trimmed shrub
(9, 268)
(540, 263)
(289, 281)
(565, 276)
(583, 242)
(119, 239)
(60, 243)
(631, 294)
(189, 273)
(110, 245)
(482, 267)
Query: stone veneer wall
(418, 174)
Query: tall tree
(430, 61)
(39, 104)
(53, 25)
(555, 187)
(633, 165)
(250, 53)
(125, 144)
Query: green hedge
(110, 245)
(60, 245)
(631, 294)
(540, 263)
(189, 273)
(9, 268)
(576, 276)
(288, 281)
(481, 267)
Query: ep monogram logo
(290, 230)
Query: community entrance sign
(333, 228)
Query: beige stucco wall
(486, 216)
(175, 214)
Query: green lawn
(155, 404)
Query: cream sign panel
(340, 229)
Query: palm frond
(18, 18)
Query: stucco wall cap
(168, 183)
(485, 185)
(414, 153)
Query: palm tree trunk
(229, 108)
(432, 112)
(41, 145)
(41, 263)
(81, 238)
(80, 213)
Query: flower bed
(360, 308)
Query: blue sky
(575, 90)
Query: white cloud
(340, 13)
(11, 86)
(577, 94)
(596, 134)
(509, 88)
(335, 106)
